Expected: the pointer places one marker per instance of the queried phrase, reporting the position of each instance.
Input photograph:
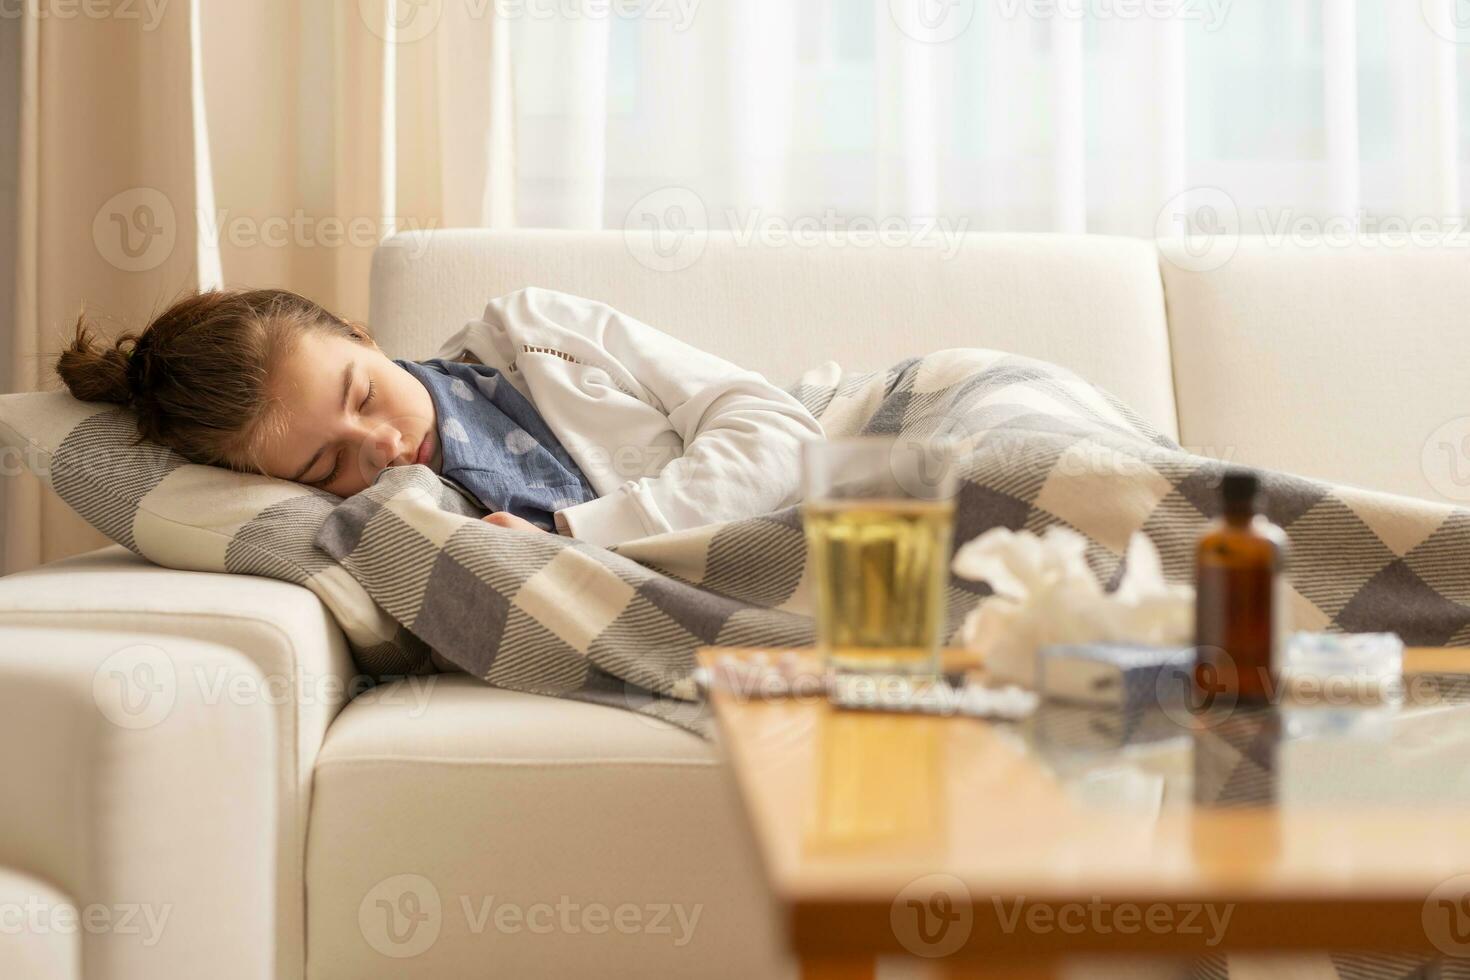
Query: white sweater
(669, 436)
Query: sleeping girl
(553, 412)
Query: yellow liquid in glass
(879, 569)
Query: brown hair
(198, 376)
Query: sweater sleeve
(741, 434)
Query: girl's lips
(426, 449)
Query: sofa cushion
(1344, 364)
(518, 826)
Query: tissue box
(1119, 675)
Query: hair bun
(96, 373)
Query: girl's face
(351, 412)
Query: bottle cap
(1239, 488)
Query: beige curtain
(200, 142)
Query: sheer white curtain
(1019, 115)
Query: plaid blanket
(1039, 446)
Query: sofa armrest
(236, 646)
(149, 804)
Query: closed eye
(337, 463)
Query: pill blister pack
(763, 676)
(931, 697)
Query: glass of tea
(878, 513)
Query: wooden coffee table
(999, 848)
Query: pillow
(183, 515)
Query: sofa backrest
(1091, 303)
(1338, 361)
(1341, 363)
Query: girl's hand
(503, 518)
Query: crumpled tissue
(1045, 593)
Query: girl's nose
(385, 446)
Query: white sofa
(283, 823)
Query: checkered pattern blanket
(1039, 446)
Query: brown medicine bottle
(1239, 611)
